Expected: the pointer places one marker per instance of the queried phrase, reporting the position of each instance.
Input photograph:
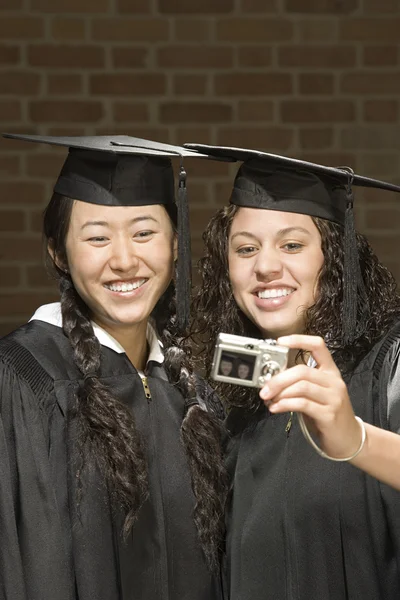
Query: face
(243, 371)
(274, 261)
(120, 260)
(225, 367)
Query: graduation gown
(49, 551)
(301, 527)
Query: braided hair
(107, 433)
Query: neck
(133, 339)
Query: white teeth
(125, 287)
(275, 293)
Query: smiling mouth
(125, 286)
(275, 293)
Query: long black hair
(216, 309)
(107, 429)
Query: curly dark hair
(216, 309)
(107, 431)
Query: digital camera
(247, 361)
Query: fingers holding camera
(320, 394)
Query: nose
(269, 264)
(123, 257)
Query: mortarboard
(276, 182)
(127, 171)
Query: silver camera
(247, 361)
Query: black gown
(49, 551)
(301, 527)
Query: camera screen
(237, 365)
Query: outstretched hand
(319, 393)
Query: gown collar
(51, 313)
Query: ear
(56, 260)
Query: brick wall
(318, 79)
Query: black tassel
(355, 302)
(184, 270)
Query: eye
(98, 239)
(293, 246)
(144, 235)
(246, 250)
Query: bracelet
(309, 439)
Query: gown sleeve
(33, 556)
(389, 409)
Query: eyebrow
(106, 224)
(280, 233)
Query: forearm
(380, 456)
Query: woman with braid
(111, 479)
(314, 505)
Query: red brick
(269, 139)
(193, 134)
(371, 137)
(254, 56)
(71, 6)
(322, 6)
(7, 326)
(384, 245)
(9, 165)
(24, 303)
(316, 83)
(10, 110)
(222, 192)
(135, 30)
(64, 28)
(62, 85)
(297, 111)
(195, 6)
(136, 7)
(20, 248)
(193, 112)
(379, 164)
(66, 130)
(254, 30)
(129, 57)
(373, 29)
(45, 164)
(9, 55)
(130, 111)
(35, 221)
(21, 192)
(10, 145)
(128, 84)
(376, 197)
(365, 82)
(37, 276)
(313, 138)
(201, 215)
(259, 6)
(66, 57)
(381, 56)
(256, 110)
(11, 4)
(381, 111)
(189, 85)
(10, 276)
(145, 131)
(19, 83)
(191, 30)
(12, 220)
(261, 84)
(22, 28)
(317, 30)
(317, 56)
(195, 57)
(47, 111)
(381, 6)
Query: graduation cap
(127, 171)
(276, 182)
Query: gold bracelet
(309, 439)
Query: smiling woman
(104, 427)
(284, 261)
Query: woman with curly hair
(111, 474)
(283, 261)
